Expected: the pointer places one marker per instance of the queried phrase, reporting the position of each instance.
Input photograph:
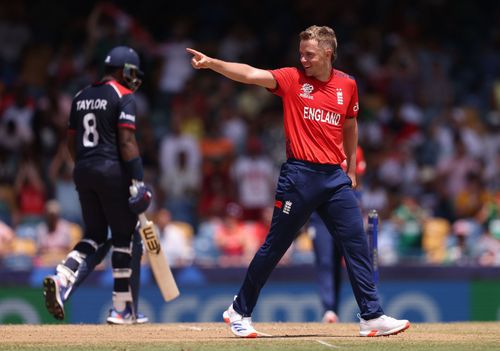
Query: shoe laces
(123, 314)
(388, 318)
(244, 323)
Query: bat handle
(143, 220)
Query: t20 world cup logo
(307, 89)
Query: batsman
(101, 140)
(320, 106)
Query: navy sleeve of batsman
(127, 116)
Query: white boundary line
(327, 344)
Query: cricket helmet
(126, 58)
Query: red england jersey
(314, 113)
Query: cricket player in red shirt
(320, 107)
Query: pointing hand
(199, 59)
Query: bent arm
(238, 72)
(350, 143)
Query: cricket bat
(157, 259)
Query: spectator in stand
(149, 149)
(459, 250)
(30, 189)
(472, 198)
(50, 120)
(15, 34)
(215, 195)
(238, 43)
(53, 236)
(8, 173)
(456, 167)
(175, 66)
(61, 177)
(488, 247)
(217, 153)
(235, 244)
(375, 196)
(261, 226)
(180, 169)
(7, 237)
(254, 176)
(15, 123)
(107, 26)
(409, 219)
(176, 239)
(233, 127)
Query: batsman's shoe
(124, 317)
(140, 318)
(382, 326)
(330, 317)
(240, 326)
(53, 290)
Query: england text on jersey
(319, 115)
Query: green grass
(216, 337)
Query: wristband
(134, 168)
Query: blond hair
(325, 36)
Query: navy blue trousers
(304, 187)
(328, 261)
(103, 190)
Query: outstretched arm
(236, 71)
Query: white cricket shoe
(330, 317)
(382, 326)
(121, 317)
(140, 318)
(126, 317)
(225, 315)
(53, 291)
(240, 326)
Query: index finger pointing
(194, 52)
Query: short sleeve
(126, 118)
(284, 77)
(352, 110)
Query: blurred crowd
(429, 85)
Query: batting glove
(139, 202)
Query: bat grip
(143, 220)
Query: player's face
(314, 58)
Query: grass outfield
(217, 337)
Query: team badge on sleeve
(127, 117)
